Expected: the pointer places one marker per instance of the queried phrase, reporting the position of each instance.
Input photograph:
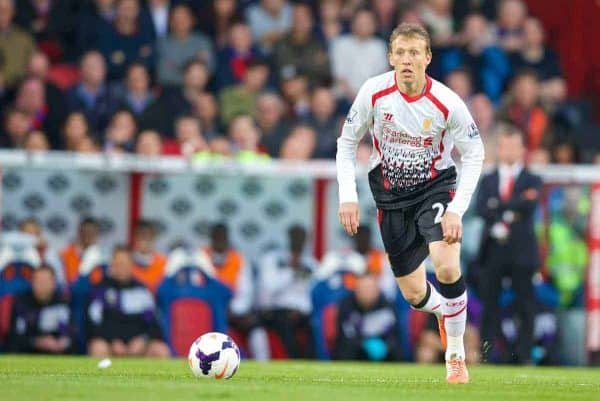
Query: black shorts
(407, 232)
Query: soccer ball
(214, 356)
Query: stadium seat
(187, 292)
(6, 301)
(325, 295)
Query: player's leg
(406, 251)
(446, 259)
(419, 293)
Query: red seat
(330, 314)
(190, 318)
(5, 316)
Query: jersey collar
(409, 98)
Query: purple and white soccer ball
(214, 356)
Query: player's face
(409, 57)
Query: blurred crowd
(259, 79)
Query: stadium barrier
(258, 201)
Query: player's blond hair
(411, 31)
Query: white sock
(433, 304)
(455, 321)
(258, 342)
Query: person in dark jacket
(121, 314)
(367, 324)
(507, 201)
(40, 318)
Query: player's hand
(451, 227)
(349, 217)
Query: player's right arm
(358, 121)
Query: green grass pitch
(78, 378)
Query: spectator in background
(301, 50)
(149, 264)
(75, 130)
(511, 17)
(233, 58)
(38, 67)
(92, 96)
(233, 270)
(564, 153)
(220, 147)
(31, 98)
(158, 12)
(507, 200)
(483, 114)
(41, 318)
(241, 98)
(16, 45)
(217, 17)
(126, 41)
(47, 253)
(52, 23)
(176, 102)
(522, 108)
(437, 16)
(188, 138)
(36, 141)
(386, 13)
(347, 72)
(283, 288)
(86, 242)
(245, 137)
(269, 20)
(121, 314)
(88, 146)
(148, 144)
(205, 109)
(269, 118)
(140, 100)
(476, 49)
(367, 324)
(95, 19)
(299, 145)
(330, 21)
(15, 128)
(294, 87)
(120, 134)
(459, 81)
(544, 61)
(181, 46)
(325, 121)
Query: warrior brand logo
(388, 117)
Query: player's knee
(413, 295)
(447, 273)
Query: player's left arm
(465, 135)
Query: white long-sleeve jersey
(413, 138)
